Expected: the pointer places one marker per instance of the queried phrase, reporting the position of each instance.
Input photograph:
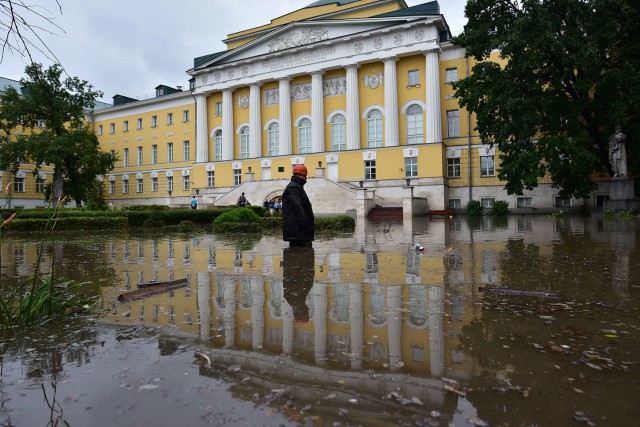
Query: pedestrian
(194, 202)
(272, 205)
(276, 206)
(242, 201)
(297, 212)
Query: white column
(434, 105)
(204, 305)
(229, 316)
(285, 116)
(436, 330)
(390, 103)
(353, 108)
(317, 112)
(394, 326)
(255, 121)
(356, 324)
(227, 125)
(257, 311)
(320, 323)
(202, 136)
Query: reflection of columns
(390, 103)
(394, 325)
(204, 306)
(356, 324)
(353, 108)
(227, 125)
(288, 322)
(320, 322)
(255, 121)
(434, 105)
(285, 116)
(202, 138)
(257, 311)
(436, 330)
(229, 316)
(317, 112)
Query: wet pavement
(531, 320)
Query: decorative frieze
(271, 97)
(334, 87)
(298, 59)
(298, 38)
(300, 92)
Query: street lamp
(361, 183)
(197, 191)
(408, 181)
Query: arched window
(244, 142)
(217, 145)
(304, 136)
(338, 133)
(374, 129)
(274, 139)
(415, 127)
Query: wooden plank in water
(152, 288)
(507, 291)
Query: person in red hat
(297, 212)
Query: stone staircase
(380, 213)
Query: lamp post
(169, 191)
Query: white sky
(129, 47)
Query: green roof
(206, 58)
(324, 2)
(429, 8)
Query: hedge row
(331, 224)
(81, 224)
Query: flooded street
(530, 320)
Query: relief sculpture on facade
(301, 92)
(333, 87)
(271, 97)
(298, 38)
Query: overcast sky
(129, 47)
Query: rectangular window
(185, 116)
(186, 155)
(169, 118)
(125, 185)
(562, 202)
(237, 177)
(451, 75)
(455, 204)
(453, 168)
(453, 123)
(139, 124)
(154, 121)
(112, 128)
(218, 111)
(112, 187)
(410, 167)
(211, 179)
(524, 202)
(170, 152)
(40, 183)
(487, 166)
(139, 156)
(125, 157)
(154, 184)
(169, 183)
(140, 187)
(40, 124)
(369, 169)
(413, 77)
(99, 129)
(154, 154)
(125, 126)
(487, 202)
(185, 183)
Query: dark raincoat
(297, 213)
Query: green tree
(571, 73)
(64, 143)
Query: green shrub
(147, 208)
(334, 223)
(153, 222)
(474, 208)
(609, 213)
(499, 208)
(239, 220)
(187, 227)
(71, 223)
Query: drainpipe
(469, 172)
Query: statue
(618, 153)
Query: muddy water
(529, 321)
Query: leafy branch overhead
(566, 74)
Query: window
(217, 145)
(524, 202)
(112, 187)
(169, 183)
(455, 204)
(186, 155)
(125, 126)
(338, 133)
(154, 154)
(154, 184)
(125, 185)
(18, 185)
(487, 202)
(244, 143)
(185, 182)
(487, 166)
(237, 177)
(169, 118)
(410, 167)
(185, 116)
(140, 187)
(211, 179)
(374, 129)
(562, 202)
(369, 169)
(451, 75)
(218, 109)
(304, 136)
(413, 77)
(99, 129)
(139, 156)
(125, 157)
(112, 128)
(453, 168)
(154, 121)
(40, 183)
(453, 123)
(415, 128)
(139, 124)
(274, 139)
(170, 152)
